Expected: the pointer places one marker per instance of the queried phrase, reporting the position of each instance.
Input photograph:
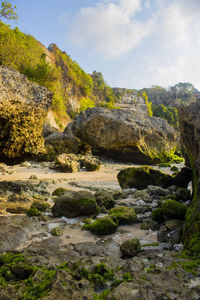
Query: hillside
(73, 88)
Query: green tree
(7, 10)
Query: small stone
(57, 231)
(33, 176)
(130, 248)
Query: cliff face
(23, 108)
(189, 118)
(131, 100)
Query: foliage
(148, 104)
(85, 103)
(102, 91)
(7, 10)
(169, 114)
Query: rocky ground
(60, 260)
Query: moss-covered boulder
(67, 163)
(123, 215)
(158, 215)
(37, 208)
(182, 194)
(23, 108)
(104, 198)
(130, 248)
(59, 192)
(91, 163)
(73, 204)
(57, 231)
(141, 177)
(102, 226)
(174, 210)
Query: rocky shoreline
(86, 265)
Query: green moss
(127, 277)
(102, 296)
(164, 165)
(102, 226)
(174, 209)
(14, 269)
(141, 177)
(59, 192)
(36, 208)
(174, 169)
(151, 245)
(32, 211)
(158, 215)
(123, 215)
(130, 248)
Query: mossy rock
(158, 215)
(91, 163)
(102, 226)
(141, 177)
(141, 194)
(57, 231)
(104, 198)
(174, 210)
(67, 163)
(73, 204)
(130, 248)
(37, 208)
(182, 194)
(123, 215)
(59, 192)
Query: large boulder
(124, 135)
(73, 204)
(142, 177)
(189, 118)
(23, 108)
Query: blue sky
(134, 43)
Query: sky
(133, 43)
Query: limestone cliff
(23, 108)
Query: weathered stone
(124, 135)
(67, 163)
(102, 226)
(104, 198)
(141, 177)
(123, 215)
(73, 204)
(174, 210)
(190, 126)
(130, 248)
(91, 163)
(23, 107)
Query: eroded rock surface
(23, 107)
(124, 135)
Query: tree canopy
(8, 11)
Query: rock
(149, 224)
(57, 231)
(23, 107)
(126, 291)
(104, 198)
(59, 192)
(67, 163)
(73, 204)
(157, 191)
(189, 127)
(58, 143)
(102, 226)
(182, 195)
(141, 177)
(172, 224)
(174, 210)
(123, 215)
(183, 177)
(141, 194)
(124, 135)
(163, 235)
(158, 215)
(130, 248)
(91, 163)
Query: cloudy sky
(134, 43)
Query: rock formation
(124, 135)
(23, 107)
(190, 135)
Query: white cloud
(110, 28)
